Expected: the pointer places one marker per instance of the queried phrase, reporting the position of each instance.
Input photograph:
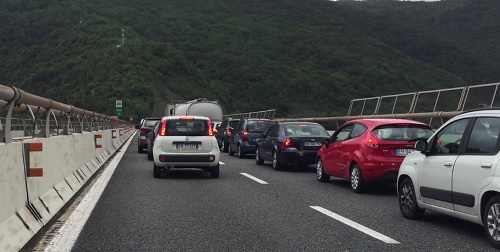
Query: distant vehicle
(456, 172)
(366, 150)
(199, 107)
(224, 133)
(290, 143)
(151, 139)
(243, 139)
(185, 142)
(144, 127)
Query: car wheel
(231, 152)
(214, 171)
(156, 171)
(150, 155)
(491, 221)
(320, 172)
(357, 182)
(258, 159)
(276, 163)
(139, 149)
(408, 201)
(240, 155)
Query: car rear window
(403, 132)
(255, 126)
(233, 124)
(305, 130)
(194, 127)
(150, 123)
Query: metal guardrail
(439, 104)
(256, 114)
(44, 117)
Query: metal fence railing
(36, 116)
(269, 114)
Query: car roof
(294, 123)
(373, 122)
(179, 117)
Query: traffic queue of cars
(451, 171)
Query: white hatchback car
(455, 172)
(186, 142)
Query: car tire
(231, 152)
(238, 151)
(320, 172)
(150, 155)
(276, 162)
(408, 200)
(356, 178)
(214, 171)
(493, 223)
(156, 171)
(258, 159)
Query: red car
(369, 150)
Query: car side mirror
(325, 141)
(137, 126)
(421, 146)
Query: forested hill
(293, 55)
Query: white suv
(186, 142)
(455, 172)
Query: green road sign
(119, 111)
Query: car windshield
(259, 126)
(193, 127)
(233, 124)
(402, 132)
(305, 130)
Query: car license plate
(313, 144)
(187, 146)
(403, 152)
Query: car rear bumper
(294, 156)
(246, 148)
(186, 160)
(386, 172)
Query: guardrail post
(6, 133)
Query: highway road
(254, 208)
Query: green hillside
(296, 56)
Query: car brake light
(144, 130)
(210, 132)
(228, 132)
(187, 118)
(438, 142)
(215, 131)
(287, 143)
(371, 141)
(163, 131)
(245, 135)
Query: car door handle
(448, 164)
(486, 165)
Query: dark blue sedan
(290, 143)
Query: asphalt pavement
(255, 208)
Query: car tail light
(144, 130)
(228, 132)
(210, 132)
(215, 131)
(287, 143)
(163, 130)
(371, 141)
(163, 158)
(245, 136)
(187, 118)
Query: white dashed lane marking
(260, 181)
(355, 225)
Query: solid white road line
(355, 225)
(67, 235)
(254, 178)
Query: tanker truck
(200, 107)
